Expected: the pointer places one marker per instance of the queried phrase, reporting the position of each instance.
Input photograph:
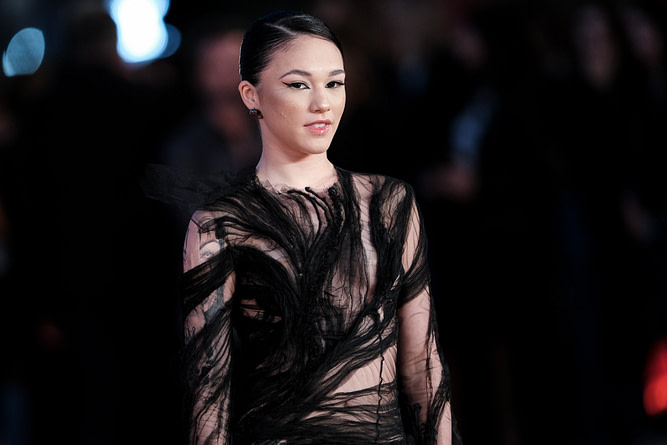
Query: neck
(314, 171)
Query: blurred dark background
(533, 131)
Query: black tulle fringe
(186, 192)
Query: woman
(308, 317)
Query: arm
(424, 374)
(208, 286)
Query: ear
(249, 95)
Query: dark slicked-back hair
(274, 32)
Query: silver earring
(254, 112)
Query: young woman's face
(301, 95)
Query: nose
(320, 101)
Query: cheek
(341, 98)
(290, 110)
(340, 104)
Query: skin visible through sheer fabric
(378, 336)
(308, 312)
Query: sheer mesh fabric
(308, 318)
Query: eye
(296, 85)
(335, 84)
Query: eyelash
(302, 85)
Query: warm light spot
(655, 384)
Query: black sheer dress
(308, 318)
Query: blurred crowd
(535, 134)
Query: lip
(319, 127)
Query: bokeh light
(142, 33)
(24, 53)
(655, 387)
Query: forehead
(307, 53)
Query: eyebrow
(307, 74)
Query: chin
(319, 148)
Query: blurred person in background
(644, 205)
(75, 169)
(596, 118)
(486, 199)
(216, 135)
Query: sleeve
(424, 374)
(207, 286)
